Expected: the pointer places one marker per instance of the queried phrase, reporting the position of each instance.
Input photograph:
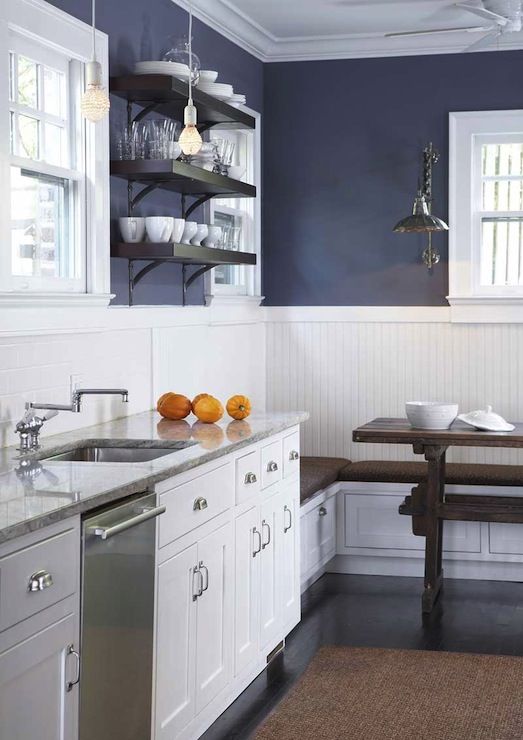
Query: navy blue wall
(140, 30)
(342, 141)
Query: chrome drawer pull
(258, 534)
(265, 544)
(72, 651)
(40, 581)
(294, 455)
(250, 478)
(285, 527)
(201, 566)
(272, 467)
(200, 504)
(196, 571)
(322, 511)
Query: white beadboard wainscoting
(147, 350)
(347, 367)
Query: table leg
(435, 457)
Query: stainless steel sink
(105, 453)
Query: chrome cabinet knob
(322, 511)
(200, 504)
(272, 467)
(250, 478)
(40, 580)
(294, 455)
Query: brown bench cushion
(385, 471)
(317, 473)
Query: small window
(47, 170)
(501, 212)
(486, 207)
(239, 218)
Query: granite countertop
(41, 492)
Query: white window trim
(468, 300)
(227, 296)
(46, 24)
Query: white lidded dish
(487, 420)
(431, 414)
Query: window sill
(23, 299)
(486, 309)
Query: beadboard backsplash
(346, 373)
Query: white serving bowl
(213, 236)
(431, 414)
(208, 75)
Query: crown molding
(226, 19)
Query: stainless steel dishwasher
(118, 621)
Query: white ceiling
(286, 30)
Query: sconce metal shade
(421, 220)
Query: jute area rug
(370, 694)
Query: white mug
(132, 229)
(179, 227)
(159, 228)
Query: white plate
(216, 88)
(208, 75)
(162, 68)
(162, 63)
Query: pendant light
(190, 139)
(95, 102)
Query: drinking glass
(235, 238)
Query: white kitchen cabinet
(194, 630)
(288, 555)
(247, 593)
(175, 648)
(214, 615)
(39, 634)
(322, 531)
(270, 573)
(34, 676)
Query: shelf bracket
(188, 281)
(141, 195)
(144, 111)
(196, 204)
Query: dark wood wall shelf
(168, 95)
(203, 258)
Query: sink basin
(102, 453)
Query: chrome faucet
(30, 425)
(76, 399)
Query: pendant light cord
(93, 7)
(190, 54)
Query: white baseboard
(453, 569)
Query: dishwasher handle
(106, 532)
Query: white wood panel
(346, 373)
(372, 521)
(505, 539)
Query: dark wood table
(429, 506)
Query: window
(239, 217)
(486, 207)
(47, 170)
(54, 229)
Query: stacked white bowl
(431, 414)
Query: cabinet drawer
(50, 567)
(291, 454)
(271, 464)
(195, 502)
(247, 476)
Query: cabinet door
(322, 532)
(175, 645)
(214, 615)
(246, 601)
(270, 590)
(288, 550)
(34, 702)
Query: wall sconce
(421, 221)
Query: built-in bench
(371, 537)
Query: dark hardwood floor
(376, 611)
